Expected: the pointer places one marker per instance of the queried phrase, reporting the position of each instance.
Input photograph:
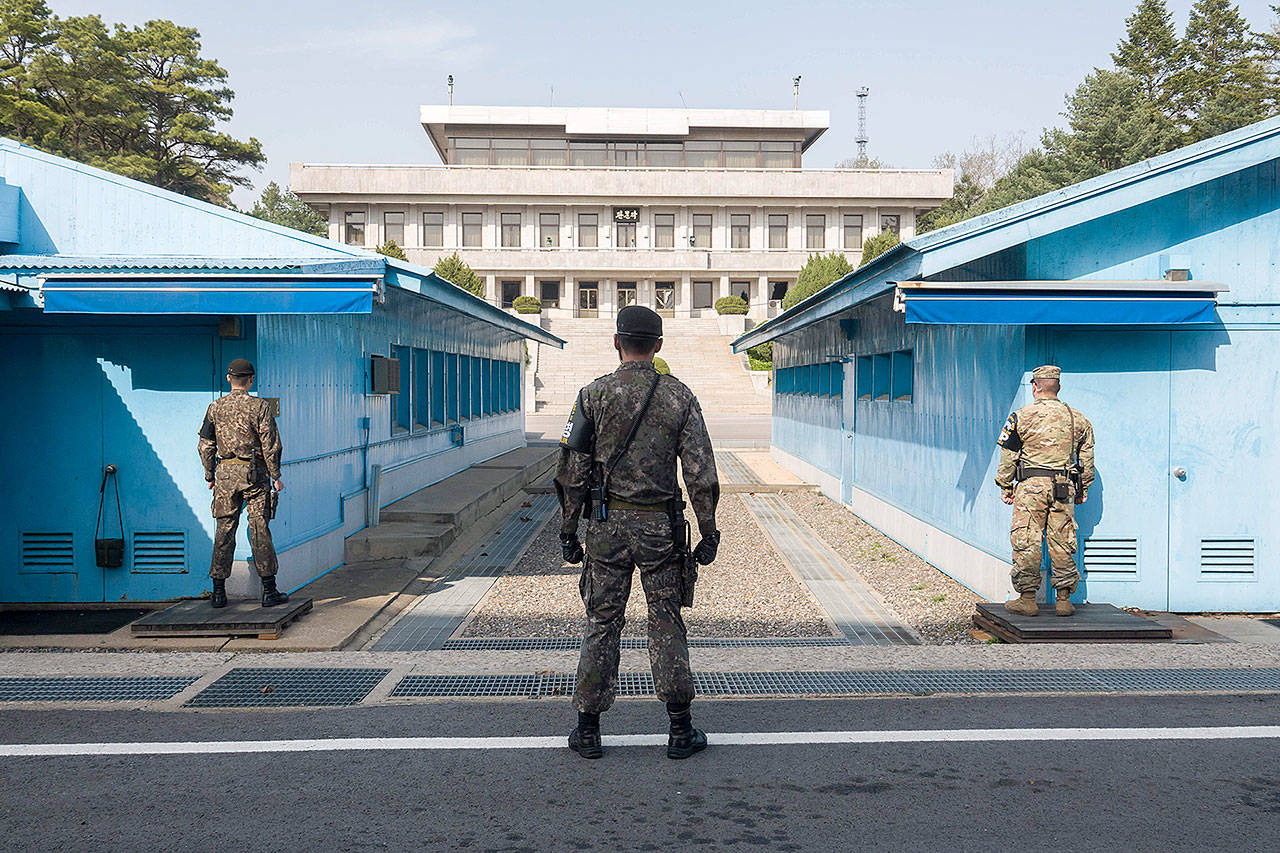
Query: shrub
(660, 365)
(731, 305)
(877, 244)
(760, 356)
(392, 250)
(526, 305)
(455, 270)
(818, 272)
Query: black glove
(571, 549)
(705, 553)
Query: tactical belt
(617, 504)
(1028, 472)
(235, 460)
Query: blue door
(848, 408)
(1120, 381)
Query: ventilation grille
(1110, 559)
(47, 552)
(159, 551)
(1226, 559)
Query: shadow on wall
(1088, 514)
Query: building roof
(938, 251)
(76, 217)
(624, 122)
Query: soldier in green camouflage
(240, 450)
(637, 529)
(1046, 468)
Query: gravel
(937, 607)
(747, 592)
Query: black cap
(636, 321)
(240, 367)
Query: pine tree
(1223, 80)
(455, 270)
(1149, 51)
(284, 208)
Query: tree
(453, 269)
(862, 162)
(1223, 81)
(284, 208)
(1149, 53)
(817, 273)
(877, 244)
(391, 249)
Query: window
(779, 155)
(510, 290)
(666, 155)
(393, 227)
(664, 295)
(490, 387)
(777, 290)
(472, 230)
(740, 230)
(548, 152)
(902, 378)
(626, 235)
(853, 231)
(880, 367)
(549, 230)
(549, 293)
(626, 293)
(437, 387)
(890, 223)
(701, 231)
(433, 229)
(886, 376)
(471, 152)
(588, 231)
(353, 228)
(664, 230)
(421, 388)
(403, 400)
(510, 230)
(702, 155)
(477, 387)
(588, 154)
(510, 152)
(626, 154)
(815, 231)
(451, 388)
(863, 378)
(464, 387)
(702, 291)
(741, 155)
(741, 289)
(777, 231)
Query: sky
(334, 82)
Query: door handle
(1180, 472)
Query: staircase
(699, 356)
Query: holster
(596, 506)
(273, 501)
(682, 549)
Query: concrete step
(399, 541)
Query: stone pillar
(568, 294)
(684, 297)
(530, 286)
(491, 289)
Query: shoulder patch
(1009, 438)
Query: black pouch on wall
(109, 553)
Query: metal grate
(95, 689)
(1226, 559)
(564, 644)
(863, 682)
(159, 551)
(47, 552)
(1116, 557)
(737, 471)
(268, 687)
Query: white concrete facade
(700, 232)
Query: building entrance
(510, 290)
(664, 298)
(588, 299)
(626, 294)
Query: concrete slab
(531, 461)
(460, 499)
(1242, 629)
(399, 540)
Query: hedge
(527, 305)
(731, 305)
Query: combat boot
(684, 740)
(270, 595)
(219, 593)
(585, 738)
(1063, 605)
(1023, 605)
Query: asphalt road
(1128, 795)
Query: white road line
(217, 747)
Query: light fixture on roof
(795, 92)
(450, 90)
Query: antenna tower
(862, 123)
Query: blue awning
(208, 294)
(1071, 304)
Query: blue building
(1156, 288)
(121, 305)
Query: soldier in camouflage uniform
(638, 529)
(240, 449)
(1040, 447)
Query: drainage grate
(564, 644)
(736, 471)
(94, 689)
(264, 688)
(863, 682)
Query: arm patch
(207, 431)
(1009, 438)
(580, 431)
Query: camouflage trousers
(236, 486)
(1039, 520)
(631, 539)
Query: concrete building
(121, 305)
(591, 209)
(1154, 288)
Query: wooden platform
(196, 618)
(1092, 623)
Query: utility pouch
(598, 495)
(108, 552)
(1061, 489)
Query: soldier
(240, 449)
(1046, 448)
(637, 485)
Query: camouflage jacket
(1045, 434)
(646, 474)
(239, 426)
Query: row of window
(886, 376)
(439, 388)
(702, 292)
(810, 380)
(511, 229)
(694, 154)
